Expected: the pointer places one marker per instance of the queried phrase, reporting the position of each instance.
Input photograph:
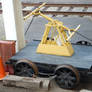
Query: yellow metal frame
(50, 46)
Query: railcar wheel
(67, 76)
(26, 68)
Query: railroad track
(59, 9)
(62, 13)
(57, 5)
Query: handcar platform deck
(82, 57)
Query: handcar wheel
(26, 68)
(67, 76)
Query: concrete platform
(84, 87)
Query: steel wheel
(25, 68)
(67, 76)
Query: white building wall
(13, 22)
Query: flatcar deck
(82, 57)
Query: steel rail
(55, 5)
(58, 5)
(60, 13)
(63, 13)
